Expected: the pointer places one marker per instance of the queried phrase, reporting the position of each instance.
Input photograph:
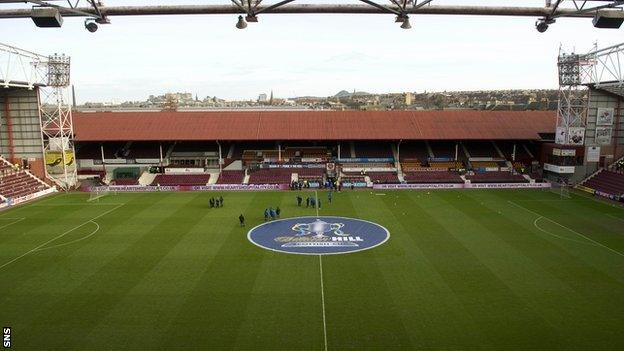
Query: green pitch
(495, 269)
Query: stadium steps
(214, 176)
(108, 177)
(612, 165)
(590, 176)
(170, 150)
(397, 163)
(502, 155)
(498, 150)
(467, 154)
(230, 153)
(234, 166)
(146, 178)
(400, 176)
(429, 149)
(526, 149)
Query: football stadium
(320, 229)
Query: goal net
(97, 194)
(561, 189)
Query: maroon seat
(18, 184)
(271, 176)
(383, 177)
(231, 177)
(608, 182)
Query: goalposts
(98, 193)
(561, 189)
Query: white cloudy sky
(297, 55)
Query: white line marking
(557, 236)
(73, 241)
(563, 226)
(16, 220)
(58, 237)
(323, 300)
(601, 200)
(618, 218)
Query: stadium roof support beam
(21, 68)
(92, 11)
(160, 10)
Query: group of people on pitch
(272, 213)
(314, 201)
(216, 202)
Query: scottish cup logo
(318, 227)
(318, 235)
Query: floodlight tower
(573, 98)
(57, 125)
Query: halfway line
(323, 300)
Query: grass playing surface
(471, 269)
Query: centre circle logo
(322, 235)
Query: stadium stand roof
(313, 125)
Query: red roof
(313, 125)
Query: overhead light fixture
(90, 25)
(46, 17)
(399, 19)
(241, 24)
(251, 18)
(608, 19)
(542, 24)
(406, 23)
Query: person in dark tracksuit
(308, 201)
(278, 211)
(299, 199)
(266, 214)
(241, 219)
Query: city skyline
(308, 55)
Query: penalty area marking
(558, 236)
(59, 236)
(563, 226)
(618, 218)
(15, 220)
(97, 228)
